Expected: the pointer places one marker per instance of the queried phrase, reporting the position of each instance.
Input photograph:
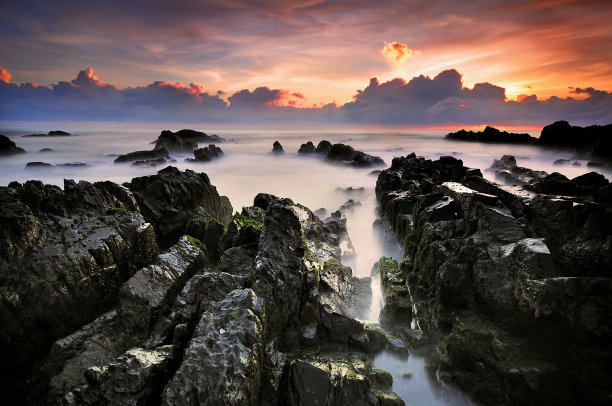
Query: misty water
(248, 168)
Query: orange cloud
(193, 88)
(396, 51)
(5, 76)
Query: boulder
(307, 148)
(169, 199)
(277, 148)
(143, 155)
(8, 147)
(206, 154)
(65, 254)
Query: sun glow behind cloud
(396, 51)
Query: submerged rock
(341, 153)
(38, 164)
(8, 147)
(53, 133)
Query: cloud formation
(5, 76)
(396, 51)
(421, 101)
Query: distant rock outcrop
(56, 133)
(184, 140)
(492, 135)
(277, 148)
(206, 154)
(595, 140)
(340, 153)
(143, 155)
(8, 147)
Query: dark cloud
(422, 101)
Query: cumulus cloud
(5, 76)
(421, 101)
(396, 51)
(264, 96)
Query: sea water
(248, 167)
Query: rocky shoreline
(152, 292)
(513, 283)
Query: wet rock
(505, 277)
(228, 341)
(169, 199)
(237, 261)
(277, 148)
(491, 135)
(342, 152)
(381, 379)
(507, 171)
(263, 200)
(327, 382)
(65, 256)
(397, 309)
(8, 147)
(143, 155)
(343, 292)
(388, 398)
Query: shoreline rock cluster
(152, 292)
(512, 282)
(592, 140)
(340, 153)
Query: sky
(330, 60)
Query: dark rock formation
(341, 153)
(206, 154)
(307, 148)
(185, 138)
(492, 135)
(143, 155)
(56, 133)
(147, 163)
(38, 164)
(397, 310)
(277, 148)
(594, 140)
(273, 327)
(171, 198)
(514, 284)
(73, 164)
(507, 171)
(63, 256)
(8, 147)
(47, 150)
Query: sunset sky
(311, 52)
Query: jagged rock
(397, 309)
(342, 152)
(144, 298)
(64, 256)
(206, 154)
(169, 199)
(343, 292)
(505, 278)
(388, 398)
(228, 341)
(508, 172)
(492, 135)
(328, 382)
(263, 200)
(277, 148)
(8, 147)
(143, 155)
